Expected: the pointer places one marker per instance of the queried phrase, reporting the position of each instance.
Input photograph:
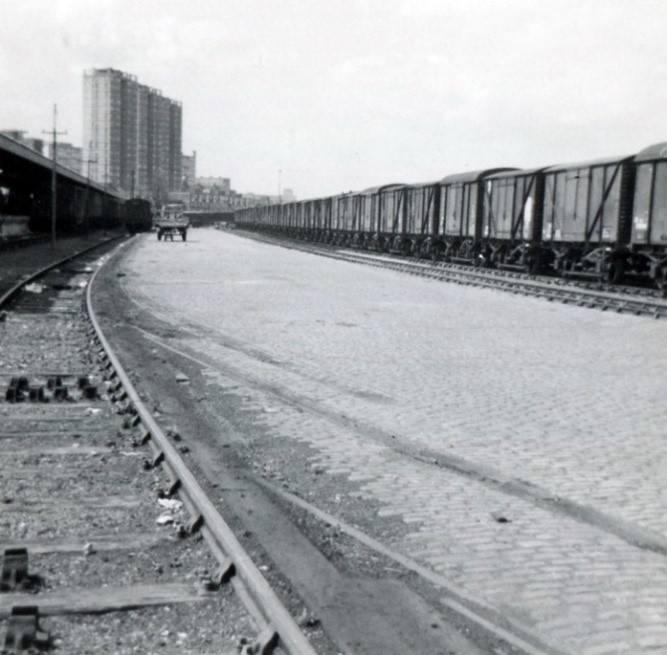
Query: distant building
(255, 199)
(215, 194)
(180, 196)
(69, 156)
(35, 144)
(132, 135)
(288, 196)
(189, 169)
(219, 182)
(20, 135)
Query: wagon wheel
(615, 271)
(534, 264)
(661, 279)
(567, 267)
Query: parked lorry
(169, 220)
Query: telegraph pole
(54, 154)
(88, 161)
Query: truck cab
(170, 220)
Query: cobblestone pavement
(370, 367)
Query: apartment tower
(132, 135)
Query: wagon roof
(384, 187)
(517, 172)
(473, 176)
(589, 164)
(656, 151)
(419, 185)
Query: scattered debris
(499, 517)
(306, 620)
(170, 503)
(173, 433)
(165, 519)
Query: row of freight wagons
(604, 218)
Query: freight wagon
(602, 219)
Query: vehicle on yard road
(170, 220)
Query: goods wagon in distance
(647, 252)
(512, 221)
(587, 216)
(459, 226)
(138, 215)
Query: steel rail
(549, 289)
(276, 615)
(570, 290)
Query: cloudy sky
(346, 94)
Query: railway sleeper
(15, 576)
(223, 574)
(266, 642)
(24, 634)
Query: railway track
(639, 301)
(108, 542)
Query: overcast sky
(346, 94)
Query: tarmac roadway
(512, 451)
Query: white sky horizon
(350, 94)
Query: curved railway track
(640, 301)
(91, 523)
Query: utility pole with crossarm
(54, 154)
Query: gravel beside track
(77, 490)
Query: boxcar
(460, 216)
(512, 221)
(344, 212)
(421, 219)
(138, 215)
(390, 218)
(648, 243)
(365, 218)
(587, 212)
(321, 219)
(285, 220)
